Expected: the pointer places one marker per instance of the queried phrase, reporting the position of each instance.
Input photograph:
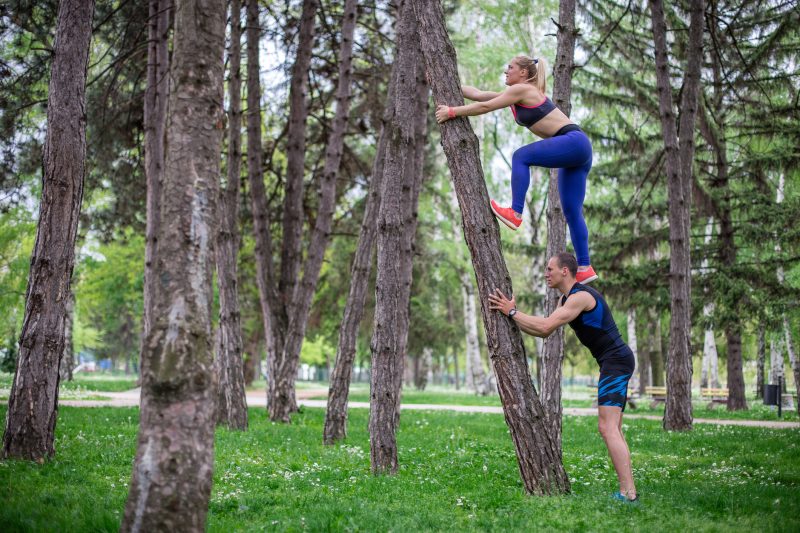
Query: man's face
(553, 274)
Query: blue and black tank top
(527, 116)
(596, 328)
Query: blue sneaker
(622, 498)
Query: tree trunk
(537, 452)
(736, 397)
(396, 224)
(33, 400)
(320, 237)
(679, 158)
(760, 360)
(336, 414)
(155, 122)
(709, 367)
(793, 360)
(645, 369)
(657, 352)
(281, 399)
(477, 378)
(258, 195)
(232, 400)
(68, 359)
(776, 360)
(171, 481)
(634, 345)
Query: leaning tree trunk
(761, 353)
(537, 452)
(171, 481)
(232, 400)
(281, 399)
(401, 177)
(320, 237)
(255, 177)
(33, 401)
(679, 158)
(336, 414)
(68, 359)
(553, 346)
(155, 122)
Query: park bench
(715, 395)
(658, 394)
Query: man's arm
(542, 326)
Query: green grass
(82, 387)
(458, 473)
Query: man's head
(561, 267)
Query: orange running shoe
(586, 276)
(506, 215)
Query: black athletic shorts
(615, 373)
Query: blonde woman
(563, 146)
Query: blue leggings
(571, 154)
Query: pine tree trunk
(258, 195)
(478, 380)
(645, 370)
(155, 122)
(657, 352)
(761, 354)
(68, 359)
(776, 360)
(281, 398)
(232, 400)
(537, 452)
(634, 345)
(709, 365)
(171, 482)
(304, 293)
(736, 392)
(33, 400)
(396, 224)
(553, 346)
(336, 414)
(793, 360)
(679, 158)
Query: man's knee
(607, 428)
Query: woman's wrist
(451, 112)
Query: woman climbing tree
(563, 146)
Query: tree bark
(657, 352)
(537, 452)
(402, 173)
(68, 359)
(634, 345)
(477, 379)
(232, 400)
(760, 360)
(155, 121)
(793, 359)
(320, 237)
(553, 346)
(709, 367)
(679, 158)
(776, 360)
(171, 481)
(336, 415)
(33, 400)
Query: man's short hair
(566, 259)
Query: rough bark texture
(336, 415)
(281, 400)
(761, 355)
(538, 454)
(679, 158)
(33, 401)
(255, 176)
(320, 236)
(396, 225)
(171, 481)
(657, 351)
(793, 359)
(553, 346)
(68, 359)
(155, 121)
(232, 401)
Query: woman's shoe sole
(503, 220)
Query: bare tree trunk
(232, 400)
(709, 367)
(645, 370)
(281, 399)
(538, 453)
(760, 360)
(155, 122)
(171, 481)
(396, 222)
(679, 159)
(68, 359)
(320, 237)
(33, 401)
(776, 360)
(553, 346)
(793, 360)
(258, 196)
(657, 352)
(336, 415)
(477, 378)
(633, 344)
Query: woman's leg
(572, 191)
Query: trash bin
(771, 394)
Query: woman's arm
(510, 96)
(476, 95)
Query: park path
(258, 398)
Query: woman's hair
(537, 70)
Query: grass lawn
(82, 387)
(458, 473)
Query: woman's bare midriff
(550, 124)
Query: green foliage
(457, 472)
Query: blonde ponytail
(537, 68)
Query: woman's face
(514, 75)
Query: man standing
(586, 311)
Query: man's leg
(610, 425)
